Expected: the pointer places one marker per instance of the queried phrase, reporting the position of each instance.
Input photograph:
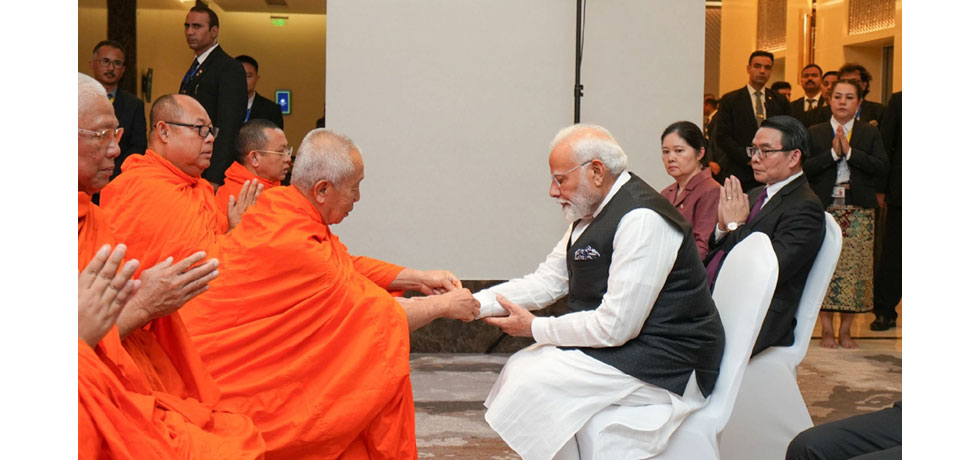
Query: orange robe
(160, 362)
(159, 211)
(114, 422)
(235, 177)
(304, 338)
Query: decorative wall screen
(865, 16)
(771, 25)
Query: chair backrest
(815, 290)
(743, 292)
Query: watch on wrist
(732, 226)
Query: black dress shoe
(882, 323)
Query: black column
(121, 27)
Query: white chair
(743, 292)
(770, 411)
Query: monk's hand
(166, 287)
(517, 323)
(459, 304)
(103, 290)
(438, 282)
(246, 198)
(428, 282)
(733, 204)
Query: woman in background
(847, 156)
(695, 193)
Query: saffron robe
(159, 211)
(160, 363)
(235, 177)
(305, 339)
(112, 421)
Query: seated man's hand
(517, 324)
(102, 292)
(165, 288)
(733, 204)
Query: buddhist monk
(264, 155)
(149, 349)
(160, 206)
(303, 336)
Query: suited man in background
(785, 209)
(870, 112)
(108, 64)
(888, 278)
(217, 82)
(806, 107)
(258, 107)
(739, 116)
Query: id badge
(838, 192)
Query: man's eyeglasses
(559, 178)
(106, 61)
(286, 154)
(202, 130)
(752, 151)
(104, 135)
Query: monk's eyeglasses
(202, 130)
(286, 154)
(558, 179)
(104, 135)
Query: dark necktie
(760, 113)
(715, 263)
(190, 72)
(811, 103)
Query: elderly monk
(160, 206)
(150, 350)
(301, 335)
(264, 155)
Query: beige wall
(290, 57)
(833, 46)
(738, 22)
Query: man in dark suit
(806, 107)
(739, 115)
(218, 82)
(108, 64)
(785, 209)
(258, 106)
(870, 112)
(888, 279)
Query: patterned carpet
(450, 388)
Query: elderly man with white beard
(639, 350)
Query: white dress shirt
(644, 250)
(204, 56)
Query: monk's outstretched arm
(456, 304)
(425, 281)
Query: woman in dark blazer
(846, 157)
(695, 194)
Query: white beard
(581, 204)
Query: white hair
(323, 155)
(88, 89)
(599, 145)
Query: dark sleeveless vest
(683, 332)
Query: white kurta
(545, 395)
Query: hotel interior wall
(833, 45)
(290, 57)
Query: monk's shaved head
(165, 108)
(323, 155)
(89, 90)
